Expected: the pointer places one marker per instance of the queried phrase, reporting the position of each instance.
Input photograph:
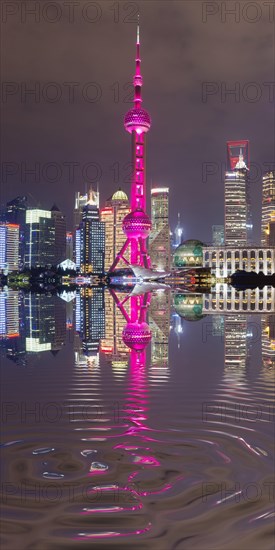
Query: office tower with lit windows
(268, 209)
(69, 245)
(217, 235)
(90, 241)
(237, 225)
(113, 214)
(59, 235)
(40, 238)
(159, 238)
(15, 213)
(9, 247)
(178, 234)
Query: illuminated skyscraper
(218, 235)
(178, 234)
(116, 208)
(59, 235)
(9, 247)
(159, 239)
(40, 238)
(69, 245)
(15, 213)
(90, 238)
(268, 209)
(237, 227)
(137, 225)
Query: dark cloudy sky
(182, 48)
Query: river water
(170, 448)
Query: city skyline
(188, 162)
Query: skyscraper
(40, 238)
(16, 213)
(218, 235)
(59, 235)
(178, 234)
(237, 226)
(90, 239)
(268, 209)
(159, 239)
(117, 207)
(9, 247)
(137, 225)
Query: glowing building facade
(116, 208)
(137, 225)
(217, 235)
(9, 247)
(159, 239)
(90, 238)
(40, 238)
(268, 209)
(237, 222)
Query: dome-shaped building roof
(119, 195)
(189, 306)
(189, 254)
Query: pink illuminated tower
(137, 225)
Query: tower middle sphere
(137, 224)
(138, 120)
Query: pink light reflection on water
(87, 536)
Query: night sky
(181, 48)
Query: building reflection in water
(159, 322)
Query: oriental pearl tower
(137, 225)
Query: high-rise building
(237, 226)
(137, 225)
(16, 213)
(218, 235)
(69, 245)
(60, 235)
(90, 241)
(117, 207)
(9, 247)
(40, 238)
(159, 239)
(178, 233)
(268, 209)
